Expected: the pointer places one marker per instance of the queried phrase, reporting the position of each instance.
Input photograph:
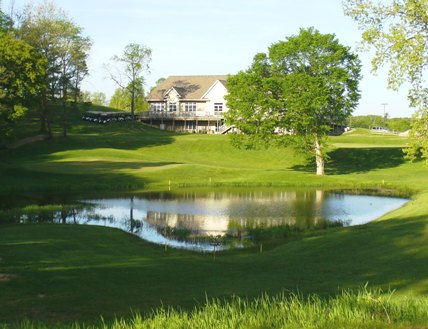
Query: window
(173, 107)
(190, 125)
(218, 107)
(190, 107)
(158, 107)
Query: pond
(217, 220)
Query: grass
(66, 273)
(364, 309)
(135, 157)
(95, 271)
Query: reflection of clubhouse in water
(202, 225)
(233, 215)
(180, 220)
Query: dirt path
(27, 140)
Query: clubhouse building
(188, 104)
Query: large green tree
(48, 29)
(397, 31)
(21, 79)
(128, 71)
(295, 93)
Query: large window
(158, 107)
(189, 107)
(218, 107)
(173, 107)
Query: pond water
(214, 221)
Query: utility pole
(384, 113)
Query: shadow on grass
(76, 178)
(107, 272)
(357, 160)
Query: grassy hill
(127, 156)
(66, 273)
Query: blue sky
(192, 37)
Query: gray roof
(189, 87)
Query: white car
(379, 130)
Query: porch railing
(181, 115)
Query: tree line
(369, 121)
(43, 61)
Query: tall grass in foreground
(348, 310)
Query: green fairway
(135, 157)
(67, 273)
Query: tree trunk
(132, 102)
(45, 125)
(64, 111)
(64, 119)
(319, 158)
(43, 114)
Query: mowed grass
(75, 273)
(135, 157)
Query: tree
(121, 100)
(130, 69)
(295, 93)
(95, 98)
(6, 23)
(99, 98)
(399, 124)
(21, 78)
(397, 30)
(52, 33)
(366, 121)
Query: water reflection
(218, 220)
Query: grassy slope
(92, 271)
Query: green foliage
(396, 29)
(130, 70)
(369, 121)
(297, 91)
(366, 121)
(6, 23)
(122, 100)
(21, 78)
(399, 124)
(52, 33)
(418, 147)
(95, 98)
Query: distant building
(188, 104)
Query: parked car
(379, 130)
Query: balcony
(194, 115)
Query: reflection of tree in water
(134, 226)
(57, 214)
(302, 212)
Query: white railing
(179, 115)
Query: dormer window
(173, 107)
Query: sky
(202, 37)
